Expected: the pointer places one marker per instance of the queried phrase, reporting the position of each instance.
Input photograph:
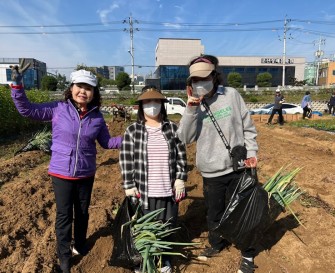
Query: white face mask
(152, 109)
(202, 88)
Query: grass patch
(326, 124)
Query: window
(8, 74)
(333, 72)
(287, 106)
(178, 102)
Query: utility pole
(284, 51)
(318, 55)
(131, 50)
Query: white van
(175, 106)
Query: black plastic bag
(249, 213)
(124, 253)
(239, 154)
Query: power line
(64, 25)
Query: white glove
(132, 192)
(179, 190)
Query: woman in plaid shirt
(153, 160)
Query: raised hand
(18, 71)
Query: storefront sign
(276, 61)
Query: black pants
(306, 112)
(280, 113)
(73, 198)
(215, 191)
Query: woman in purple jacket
(76, 125)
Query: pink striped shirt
(159, 184)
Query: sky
(65, 33)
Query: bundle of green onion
(40, 141)
(282, 187)
(148, 235)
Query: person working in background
(277, 108)
(306, 105)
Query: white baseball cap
(83, 76)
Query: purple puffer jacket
(73, 139)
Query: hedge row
(11, 122)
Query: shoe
(167, 267)
(247, 266)
(268, 123)
(65, 265)
(82, 251)
(137, 270)
(208, 252)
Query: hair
(307, 93)
(140, 112)
(217, 77)
(96, 101)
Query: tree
(264, 79)
(234, 79)
(122, 81)
(49, 83)
(61, 82)
(105, 82)
(295, 82)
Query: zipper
(78, 136)
(77, 146)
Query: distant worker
(332, 104)
(306, 105)
(277, 107)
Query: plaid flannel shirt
(133, 157)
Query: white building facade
(173, 56)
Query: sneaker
(208, 252)
(65, 265)
(167, 268)
(137, 270)
(79, 251)
(247, 266)
(268, 123)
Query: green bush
(11, 121)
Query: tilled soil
(27, 210)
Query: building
(310, 73)
(173, 56)
(31, 78)
(327, 73)
(108, 72)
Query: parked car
(175, 106)
(288, 108)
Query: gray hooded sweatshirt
(232, 115)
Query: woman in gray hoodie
(213, 159)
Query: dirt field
(27, 211)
